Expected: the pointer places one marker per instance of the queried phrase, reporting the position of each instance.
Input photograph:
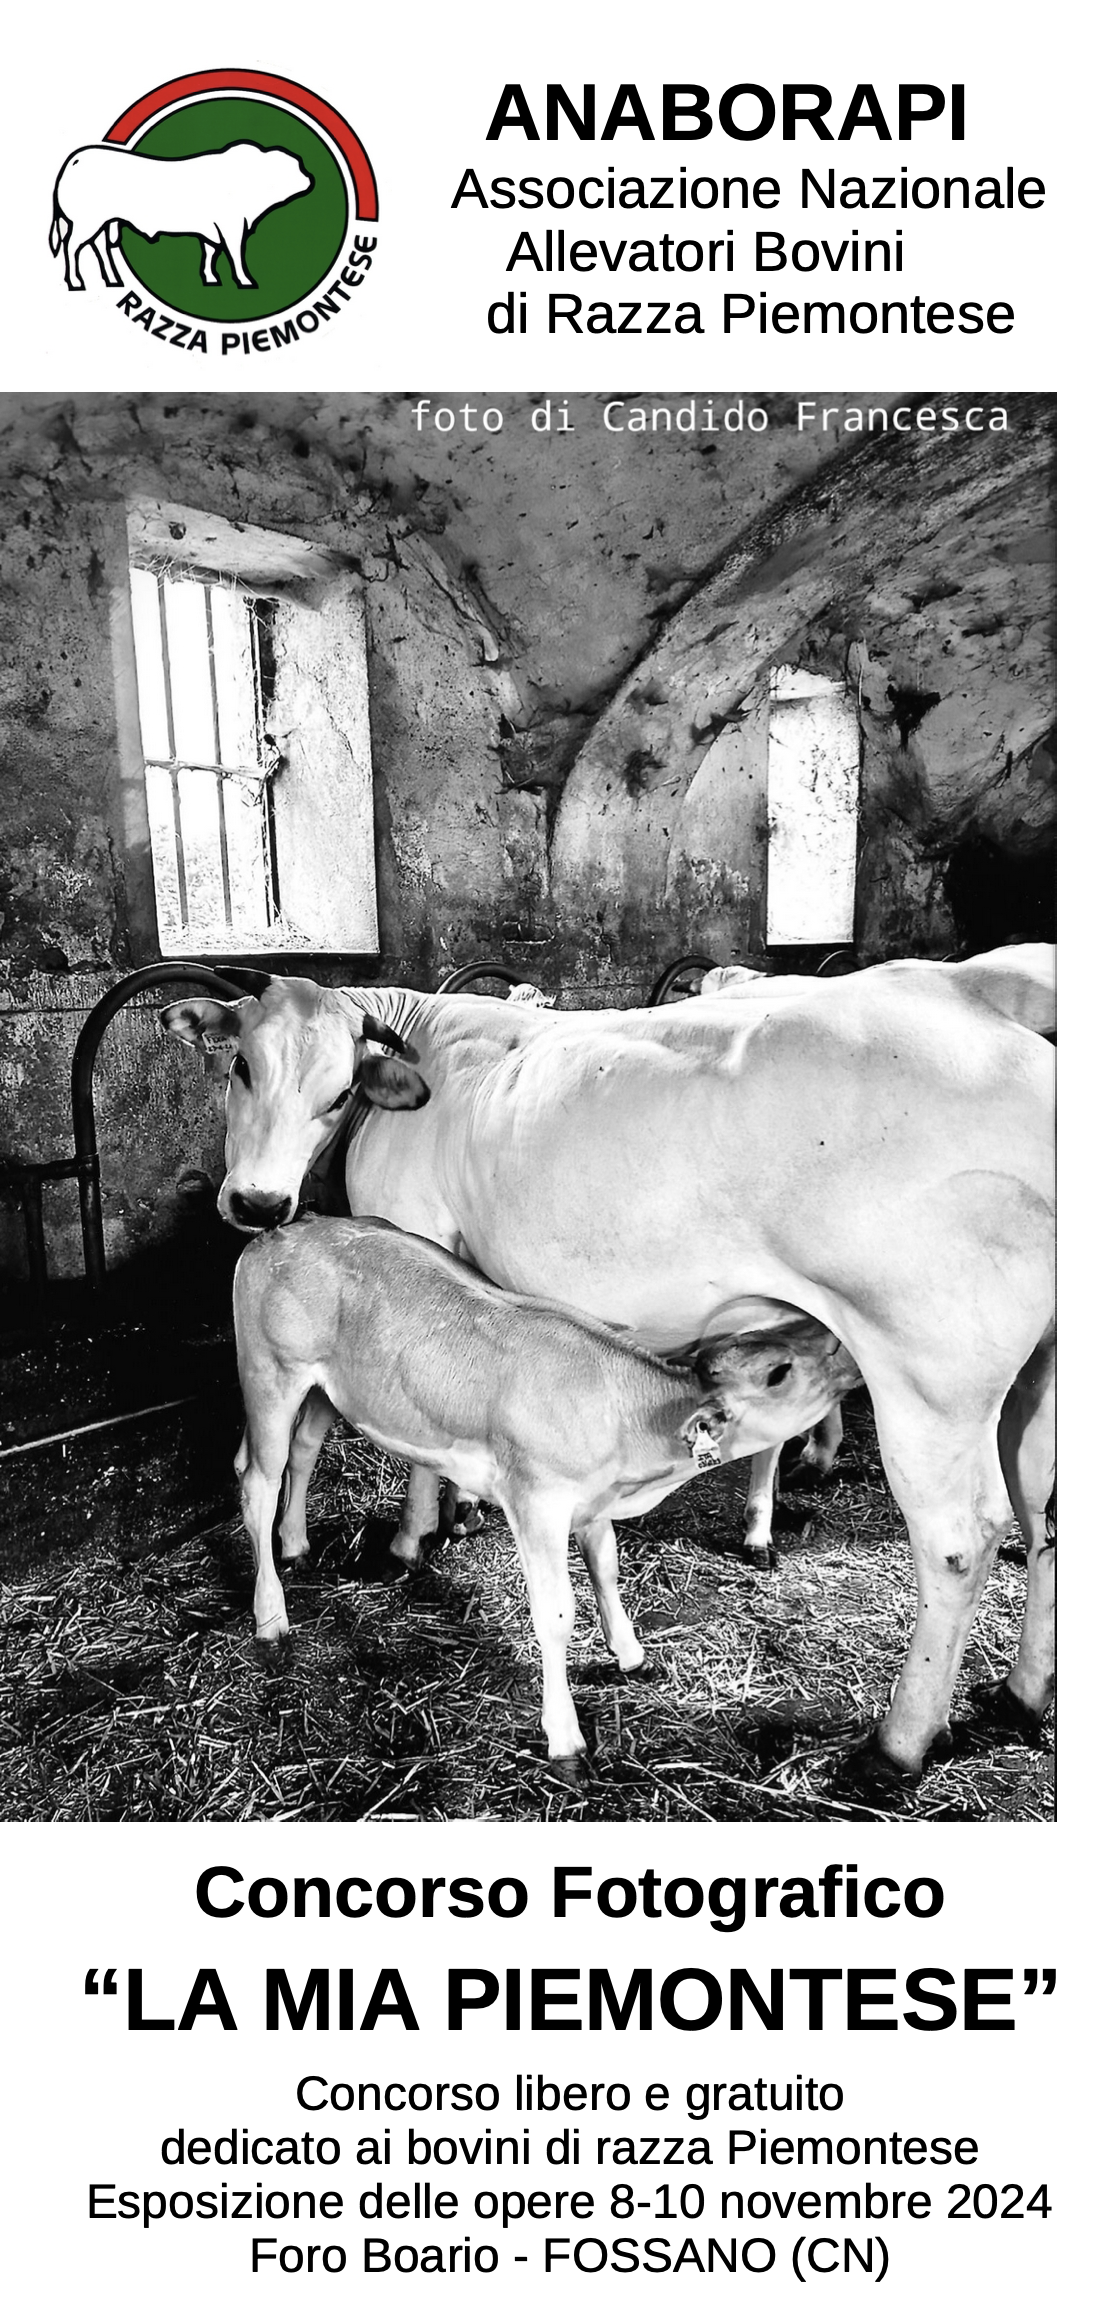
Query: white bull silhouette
(218, 196)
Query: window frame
(791, 686)
(304, 581)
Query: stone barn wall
(560, 627)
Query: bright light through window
(203, 665)
(813, 809)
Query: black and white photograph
(527, 1037)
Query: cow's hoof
(570, 1772)
(806, 1478)
(867, 1775)
(471, 1521)
(273, 1649)
(386, 1570)
(759, 1559)
(997, 1710)
(395, 1558)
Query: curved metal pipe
(664, 985)
(86, 1158)
(496, 969)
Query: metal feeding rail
(27, 1178)
(839, 962)
(692, 963)
(492, 971)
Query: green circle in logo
(287, 234)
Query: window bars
(204, 656)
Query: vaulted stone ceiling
(619, 596)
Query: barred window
(246, 756)
(204, 666)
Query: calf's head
(299, 1054)
(772, 1384)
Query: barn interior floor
(131, 1688)
(88, 1490)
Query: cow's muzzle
(260, 1212)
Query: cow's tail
(60, 223)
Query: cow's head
(270, 175)
(300, 1053)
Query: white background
(83, 2098)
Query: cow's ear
(205, 1024)
(374, 1029)
(391, 1085)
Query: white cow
(875, 1151)
(1019, 981)
(218, 196)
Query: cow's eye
(239, 1070)
(339, 1101)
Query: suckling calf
(562, 1421)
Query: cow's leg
(945, 1473)
(78, 244)
(209, 258)
(1026, 1443)
(235, 238)
(820, 1447)
(102, 247)
(69, 254)
(817, 1454)
(418, 1517)
(540, 1527)
(599, 1550)
(112, 245)
(260, 1465)
(758, 1530)
(313, 1425)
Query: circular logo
(231, 197)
